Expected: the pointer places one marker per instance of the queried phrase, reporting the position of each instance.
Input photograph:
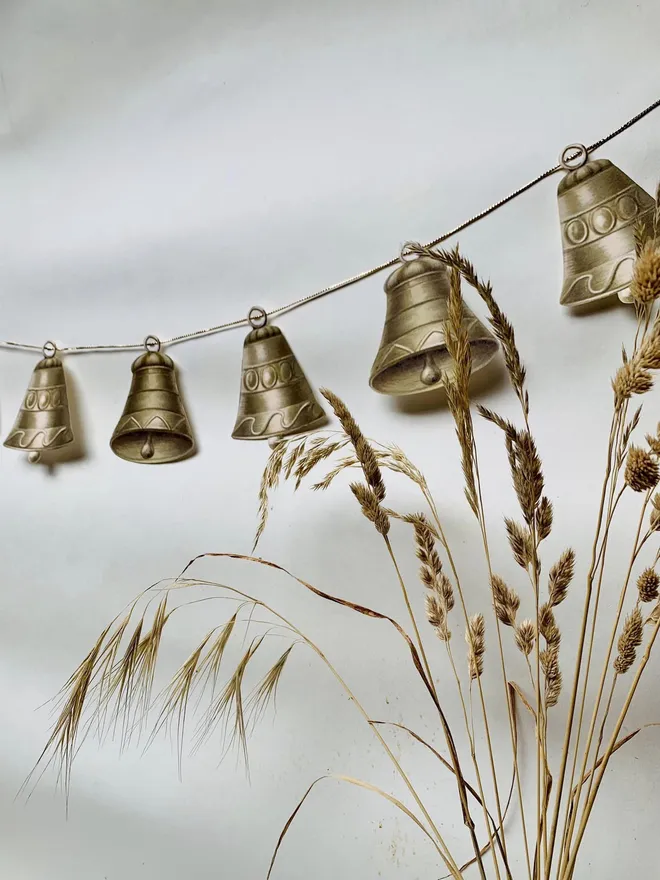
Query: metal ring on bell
(406, 254)
(257, 317)
(573, 156)
(152, 343)
(49, 350)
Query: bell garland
(603, 214)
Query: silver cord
(566, 158)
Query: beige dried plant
(233, 672)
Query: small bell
(599, 207)
(276, 398)
(154, 427)
(412, 356)
(43, 422)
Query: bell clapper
(430, 374)
(147, 450)
(34, 456)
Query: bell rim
(490, 348)
(185, 454)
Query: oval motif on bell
(30, 400)
(626, 207)
(603, 220)
(269, 377)
(44, 399)
(286, 371)
(251, 380)
(577, 231)
(56, 397)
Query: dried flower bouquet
(114, 684)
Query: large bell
(599, 207)
(276, 398)
(412, 356)
(43, 422)
(154, 427)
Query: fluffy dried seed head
(525, 634)
(654, 520)
(648, 584)
(544, 518)
(363, 451)
(519, 541)
(550, 664)
(475, 636)
(641, 470)
(561, 574)
(645, 286)
(437, 616)
(506, 601)
(631, 378)
(548, 626)
(371, 507)
(629, 640)
(654, 444)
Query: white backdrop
(166, 166)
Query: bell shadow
(491, 377)
(607, 304)
(77, 449)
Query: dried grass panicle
(265, 692)
(436, 615)
(475, 636)
(363, 450)
(648, 585)
(629, 640)
(501, 325)
(519, 541)
(642, 472)
(548, 626)
(653, 444)
(631, 378)
(506, 601)
(544, 518)
(525, 635)
(560, 577)
(527, 474)
(645, 285)
(313, 456)
(549, 660)
(371, 507)
(269, 481)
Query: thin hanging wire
(347, 282)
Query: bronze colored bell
(276, 398)
(412, 356)
(154, 427)
(43, 422)
(599, 206)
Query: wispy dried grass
(525, 634)
(629, 641)
(475, 636)
(560, 577)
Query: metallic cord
(347, 282)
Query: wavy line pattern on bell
(595, 291)
(19, 436)
(250, 420)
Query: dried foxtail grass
(232, 672)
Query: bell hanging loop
(275, 399)
(154, 426)
(43, 423)
(599, 208)
(412, 356)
